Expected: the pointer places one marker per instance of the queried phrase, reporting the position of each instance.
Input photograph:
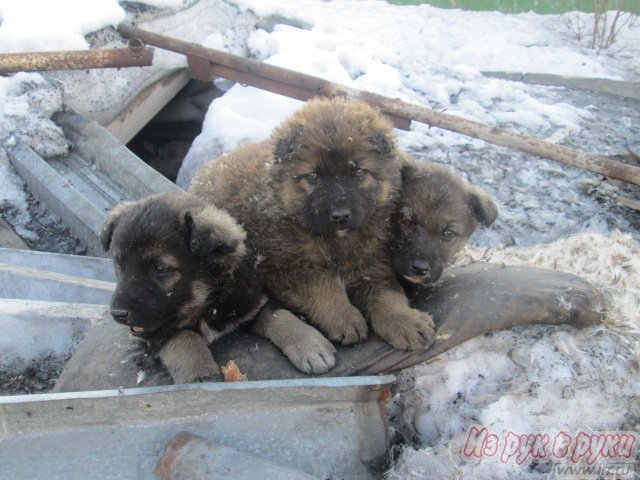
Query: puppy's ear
(214, 233)
(408, 171)
(382, 143)
(286, 144)
(110, 222)
(483, 207)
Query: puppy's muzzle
(420, 268)
(341, 215)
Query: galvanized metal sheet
(331, 427)
(76, 265)
(35, 284)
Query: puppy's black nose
(340, 215)
(420, 267)
(119, 315)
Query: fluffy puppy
(436, 214)
(185, 278)
(315, 201)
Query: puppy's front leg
(302, 344)
(387, 307)
(188, 359)
(322, 298)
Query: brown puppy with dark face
(316, 202)
(436, 215)
(185, 278)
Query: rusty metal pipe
(202, 69)
(515, 141)
(291, 83)
(135, 55)
(191, 457)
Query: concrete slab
(103, 94)
(9, 238)
(82, 217)
(98, 173)
(34, 284)
(619, 88)
(108, 156)
(330, 428)
(76, 265)
(192, 457)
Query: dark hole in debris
(164, 142)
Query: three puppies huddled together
(327, 219)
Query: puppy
(185, 278)
(316, 201)
(436, 214)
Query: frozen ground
(536, 380)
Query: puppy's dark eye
(163, 270)
(449, 235)
(360, 173)
(311, 177)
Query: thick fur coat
(316, 201)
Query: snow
(420, 54)
(539, 379)
(45, 25)
(27, 102)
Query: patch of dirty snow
(49, 332)
(173, 4)
(27, 102)
(611, 262)
(537, 380)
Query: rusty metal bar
(135, 55)
(192, 457)
(515, 141)
(303, 86)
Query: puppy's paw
(188, 359)
(312, 353)
(197, 375)
(350, 327)
(413, 330)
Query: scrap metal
(207, 63)
(136, 54)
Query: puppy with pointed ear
(315, 200)
(436, 215)
(183, 278)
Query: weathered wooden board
(469, 302)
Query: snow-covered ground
(532, 380)
(417, 53)
(535, 380)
